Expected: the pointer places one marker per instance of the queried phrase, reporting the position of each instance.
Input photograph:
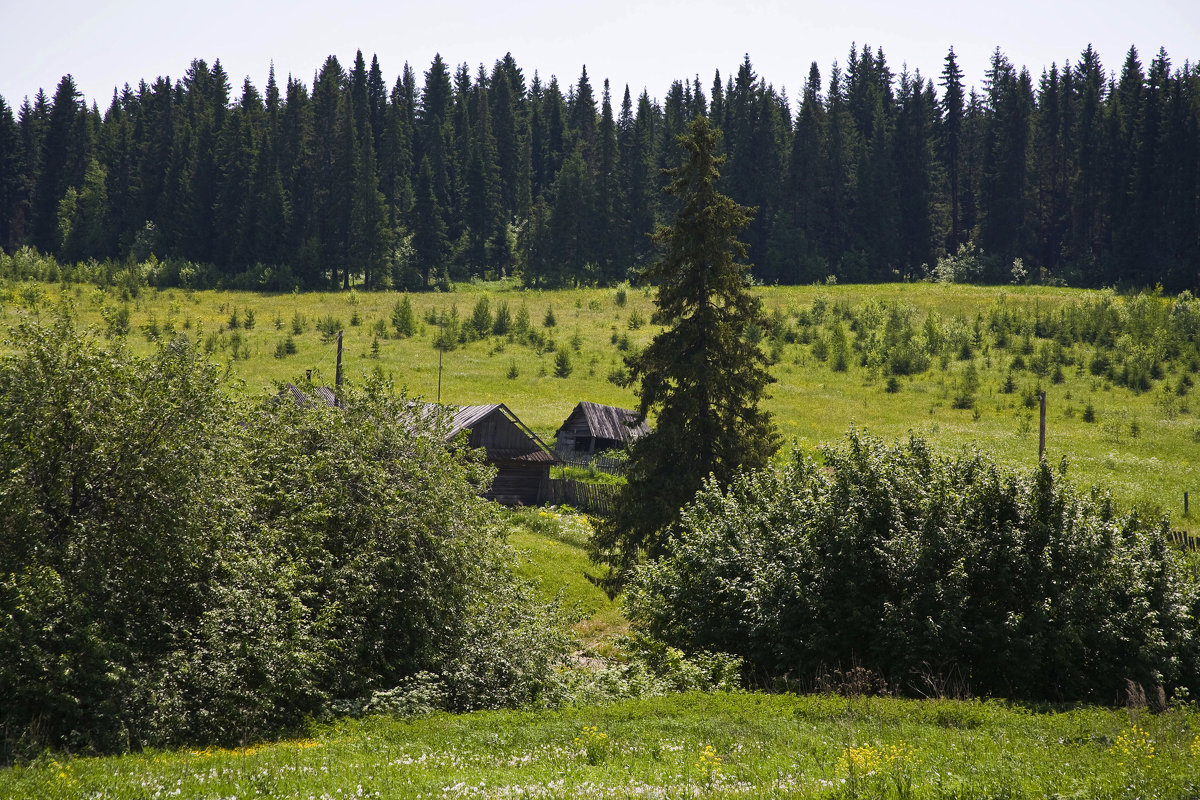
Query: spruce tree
(701, 378)
(952, 111)
(10, 176)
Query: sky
(645, 45)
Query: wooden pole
(1042, 430)
(439, 396)
(337, 379)
(1185, 504)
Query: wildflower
(709, 764)
(593, 742)
(868, 759)
(1134, 747)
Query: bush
(132, 583)
(911, 565)
(177, 566)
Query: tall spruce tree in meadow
(554, 140)
(701, 378)
(1179, 166)
(377, 101)
(1125, 106)
(329, 164)
(974, 136)
(871, 105)
(1143, 238)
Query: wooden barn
(522, 460)
(593, 428)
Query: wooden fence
(597, 498)
(1184, 540)
(601, 462)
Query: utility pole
(1042, 432)
(337, 380)
(441, 347)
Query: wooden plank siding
(522, 460)
(592, 428)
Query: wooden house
(522, 460)
(593, 428)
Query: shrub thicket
(179, 566)
(923, 567)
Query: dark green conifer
(700, 378)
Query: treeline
(1084, 176)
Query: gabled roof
(322, 394)
(610, 422)
(467, 417)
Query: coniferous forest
(1086, 174)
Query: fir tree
(950, 139)
(701, 378)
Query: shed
(593, 428)
(521, 458)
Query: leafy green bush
(178, 566)
(914, 565)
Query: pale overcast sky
(643, 44)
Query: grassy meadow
(684, 745)
(1140, 444)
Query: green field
(762, 746)
(1140, 444)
